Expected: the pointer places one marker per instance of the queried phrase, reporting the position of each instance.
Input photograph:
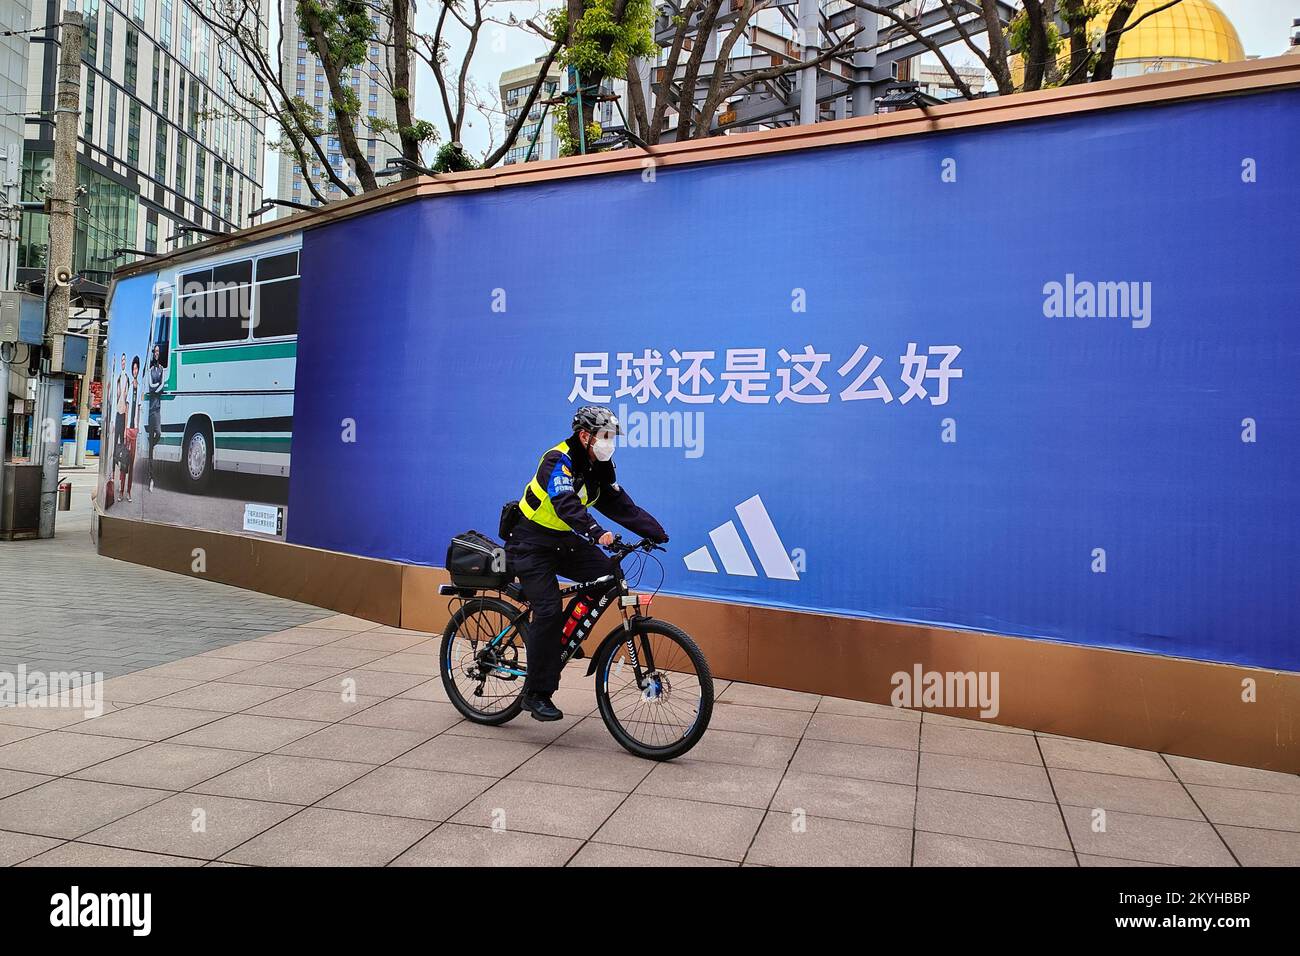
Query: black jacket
(564, 473)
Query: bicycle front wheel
(654, 691)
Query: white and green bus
(226, 333)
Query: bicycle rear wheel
(656, 697)
(483, 676)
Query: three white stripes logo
(731, 549)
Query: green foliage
(452, 158)
(1018, 31)
(347, 28)
(601, 46)
(568, 140)
(421, 131)
(1018, 36)
(1077, 9)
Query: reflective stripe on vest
(536, 504)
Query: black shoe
(540, 707)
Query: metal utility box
(22, 318)
(20, 508)
(68, 353)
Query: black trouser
(538, 556)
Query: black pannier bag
(476, 561)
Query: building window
(88, 130)
(165, 25)
(133, 135)
(181, 178)
(160, 154)
(112, 120)
(187, 40)
(132, 58)
(106, 61)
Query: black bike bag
(476, 561)
(510, 516)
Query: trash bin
(65, 496)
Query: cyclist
(558, 535)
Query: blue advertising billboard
(1035, 379)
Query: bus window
(277, 309)
(213, 314)
(277, 267)
(160, 335)
(277, 296)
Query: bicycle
(653, 685)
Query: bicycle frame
(598, 595)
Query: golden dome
(1192, 30)
(1193, 33)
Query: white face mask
(603, 449)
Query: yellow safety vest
(536, 504)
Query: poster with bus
(198, 411)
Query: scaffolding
(875, 53)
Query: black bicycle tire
(463, 613)
(625, 740)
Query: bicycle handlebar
(620, 549)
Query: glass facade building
(162, 122)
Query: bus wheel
(196, 456)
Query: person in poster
(154, 390)
(108, 431)
(127, 404)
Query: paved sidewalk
(252, 754)
(68, 609)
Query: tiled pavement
(252, 754)
(64, 608)
(218, 747)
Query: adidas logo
(731, 549)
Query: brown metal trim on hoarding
(363, 587)
(1246, 76)
(1171, 705)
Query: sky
(1264, 27)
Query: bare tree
(341, 35)
(1030, 52)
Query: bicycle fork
(648, 685)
